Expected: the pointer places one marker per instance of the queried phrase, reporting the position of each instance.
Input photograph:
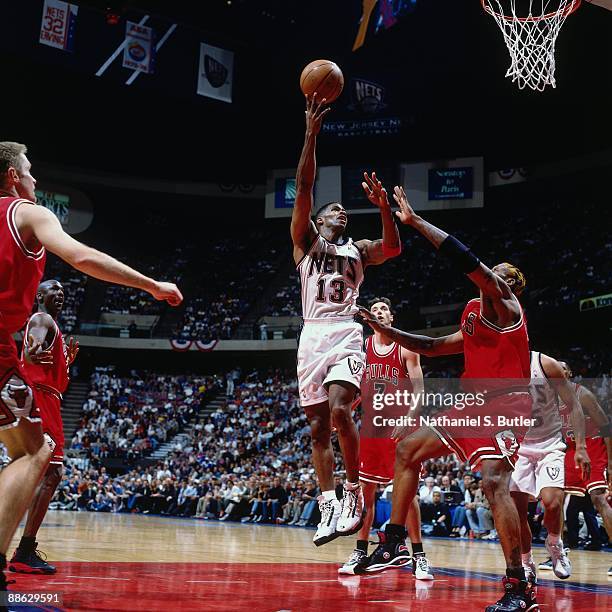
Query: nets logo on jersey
(553, 472)
(355, 365)
(327, 263)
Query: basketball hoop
(531, 36)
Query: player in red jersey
(47, 371)
(598, 484)
(26, 232)
(387, 365)
(493, 338)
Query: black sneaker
(32, 562)
(385, 556)
(520, 596)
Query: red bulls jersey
(491, 351)
(54, 377)
(385, 366)
(20, 269)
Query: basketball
(324, 78)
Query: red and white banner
(181, 345)
(206, 346)
(58, 24)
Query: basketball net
(530, 36)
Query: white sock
(351, 486)
(527, 558)
(554, 538)
(329, 495)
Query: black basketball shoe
(520, 596)
(31, 562)
(386, 555)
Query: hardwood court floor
(131, 562)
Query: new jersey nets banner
(139, 50)
(58, 24)
(216, 73)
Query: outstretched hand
(37, 355)
(315, 111)
(370, 319)
(374, 190)
(72, 349)
(405, 214)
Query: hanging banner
(216, 73)
(58, 24)
(139, 50)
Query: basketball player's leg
(598, 497)
(341, 396)
(30, 456)
(410, 453)
(420, 564)
(26, 560)
(495, 484)
(319, 418)
(521, 501)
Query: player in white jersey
(330, 354)
(539, 470)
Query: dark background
(442, 67)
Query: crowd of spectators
(129, 416)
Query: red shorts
(574, 483)
(16, 397)
(492, 438)
(49, 405)
(376, 460)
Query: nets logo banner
(367, 101)
(58, 24)
(216, 73)
(139, 50)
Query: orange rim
(569, 9)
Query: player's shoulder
(472, 305)
(40, 319)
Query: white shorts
(539, 465)
(329, 352)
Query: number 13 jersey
(330, 276)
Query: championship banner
(216, 73)
(58, 24)
(139, 50)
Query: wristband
(606, 430)
(459, 254)
(391, 251)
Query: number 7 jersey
(330, 275)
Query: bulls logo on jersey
(508, 440)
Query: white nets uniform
(541, 456)
(331, 342)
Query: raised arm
(303, 230)
(46, 228)
(564, 388)
(506, 309)
(375, 252)
(423, 345)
